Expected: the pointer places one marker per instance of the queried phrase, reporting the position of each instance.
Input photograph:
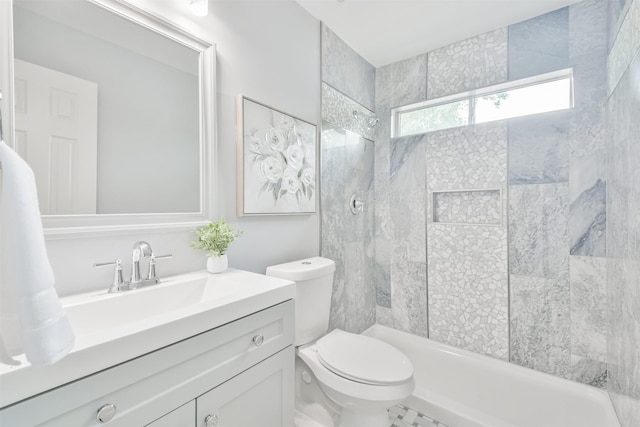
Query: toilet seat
(348, 392)
(363, 359)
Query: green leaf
(215, 238)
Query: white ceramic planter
(217, 265)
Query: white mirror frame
(71, 226)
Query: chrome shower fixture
(371, 121)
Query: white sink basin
(109, 311)
(114, 328)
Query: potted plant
(215, 239)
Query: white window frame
(472, 95)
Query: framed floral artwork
(276, 161)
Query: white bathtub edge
(406, 342)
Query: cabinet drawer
(261, 396)
(144, 388)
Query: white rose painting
(276, 161)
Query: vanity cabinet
(240, 374)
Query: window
(533, 95)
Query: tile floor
(401, 416)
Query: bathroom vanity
(196, 350)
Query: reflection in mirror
(107, 111)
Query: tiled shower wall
(623, 206)
(489, 237)
(347, 155)
(521, 279)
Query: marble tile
(470, 64)
(616, 12)
(472, 157)
(403, 82)
(589, 89)
(623, 289)
(540, 326)
(383, 225)
(587, 225)
(468, 290)
(332, 226)
(587, 371)
(588, 277)
(588, 161)
(407, 162)
(358, 228)
(381, 165)
(381, 274)
(539, 45)
(539, 148)
(336, 251)
(403, 416)
(626, 45)
(408, 222)
(623, 243)
(588, 28)
(616, 9)
(359, 295)
(345, 113)
(409, 295)
(384, 316)
(344, 69)
(347, 167)
(333, 157)
(538, 230)
(359, 164)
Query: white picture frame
(277, 168)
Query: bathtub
(463, 389)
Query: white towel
(31, 317)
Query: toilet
(359, 377)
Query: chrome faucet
(141, 250)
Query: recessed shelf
(474, 207)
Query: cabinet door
(184, 416)
(261, 396)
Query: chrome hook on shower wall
(356, 205)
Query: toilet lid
(363, 359)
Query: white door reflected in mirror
(56, 133)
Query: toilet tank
(314, 283)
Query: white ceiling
(386, 31)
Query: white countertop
(108, 340)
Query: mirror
(113, 112)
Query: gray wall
(279, 66)
(623, 205)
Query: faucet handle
(152, 266)
(117, 284)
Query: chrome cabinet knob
(106, 413)
(211, 420)
(258, 340)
